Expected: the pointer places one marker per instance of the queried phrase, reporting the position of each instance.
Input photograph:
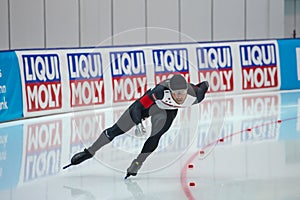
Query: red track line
(183, 178)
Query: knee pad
(113, 132)
(106, 133)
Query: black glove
(140, 130)
(203, 86)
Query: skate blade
(127, 176)
(65, 167)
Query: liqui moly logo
(43, 149)
(212, 128)
(217, 109)
(168, 62)
(264, 127)
(209, 133)
(86, 79)
(42, 82)
(85, 129)
(215, 66)
(259, 66)
(129, 79)
(263, 106)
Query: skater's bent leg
(149, 146)
(161, 123)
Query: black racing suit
(144, 107)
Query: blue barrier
(290, 129)
(11, 148)
(288, 64)
(10, 87)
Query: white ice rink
(242, 147)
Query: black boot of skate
(79, 158)
(133, 168)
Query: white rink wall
(69, 23)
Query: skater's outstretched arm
(200, 90)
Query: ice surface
(238, 148)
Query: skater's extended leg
(123, 125)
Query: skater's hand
(140, 130)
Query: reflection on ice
(33, 152)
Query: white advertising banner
(55, 81)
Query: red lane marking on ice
(183, 178)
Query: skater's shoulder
(158, 91)
(161, 88)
